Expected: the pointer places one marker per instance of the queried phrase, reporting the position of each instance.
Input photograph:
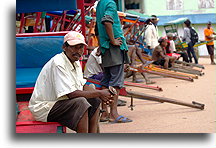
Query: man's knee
(97, 101)
(166, 59)
(80, 100)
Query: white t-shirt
(172, 46)
(57, 78)
(151, 36)
(93, 64)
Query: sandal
(121, 119)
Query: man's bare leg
(148, 81)
(93, 123)
(105, 113)
(212, 59)
(113, 107)
(172, 60)
(82, 126)
(166, 64)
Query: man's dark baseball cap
(209, 23)
(187, 22)
(154, 17)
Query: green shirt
(104, 8)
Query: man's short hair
(187, 22)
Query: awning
(27, 6)
(194, 18)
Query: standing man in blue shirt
(114, 54)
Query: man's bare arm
(109, 31)
(89, 92)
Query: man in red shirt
(209, 32)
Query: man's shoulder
(57, 57)
(149, 26)
(104, 3)
(158, 48)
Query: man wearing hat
(209, 32)
(151, 34)
(60, 94)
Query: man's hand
(116, 42)
(126, 67)
(106, 96)
(98, 53)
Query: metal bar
(162, 74)
(191, 64)
(62, 33)
(38, 15)
(22, 22)
(131, 27)
(163, 99)
(190, 69)
(63, 21)
(57, 20)
(71, 21)
(173, 72)
(187, 71)
(143, 86)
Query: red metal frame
(62, 33)
(27, 90)
(22, 22)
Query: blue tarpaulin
(32, 53)
(27, 6)
(194, 18)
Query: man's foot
(213, 63)
(147, 63)
(120, 119)
(121, 103)
(104, 116)
(150, 82)
(137, 81)
(104, 119)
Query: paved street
(153, 117)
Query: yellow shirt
(208, 32)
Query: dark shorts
(113, 76)
(69, 112)
(98, 77)
(210, 49)
(161, 62)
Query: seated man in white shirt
(93, 67)
(172, 49)
(60, 94)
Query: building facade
(198, 11)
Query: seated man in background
(60, 94)
(172, 49)
(93, 67)
(159, 55)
